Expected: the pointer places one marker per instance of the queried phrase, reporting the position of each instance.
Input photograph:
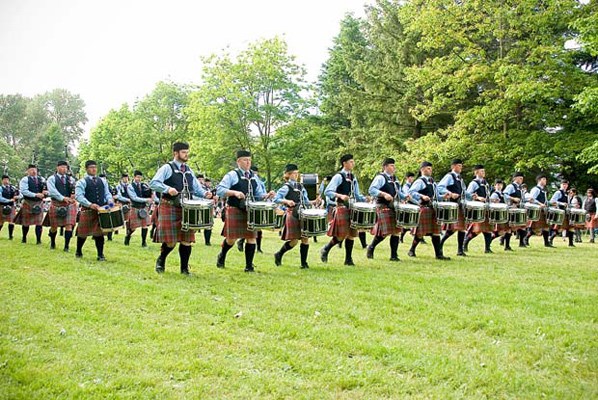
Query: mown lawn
(516, 325)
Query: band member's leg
(68, 234)
(326, 249)
(488, 242)
(207, 235)
(165, 250)
(143, 237)
(349, 251)
(25, 230)
(100, 247)
(227, 244)
(288, 245)
(250, 248)
(80, 243)
(394, 247)
(363, 240)
(375, 242)
(38, 233)
(52, 234)
(11, 230)
(258, 241)
(184, 255)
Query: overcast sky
(114, 51)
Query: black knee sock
(507, 241)
(376, 241)
(11, 229)
(25, 230)
(349, 249)
(446, 235)
(164, 252)
(331, 244)
(99, 245)
(488, 240)
(362, 239)
(153, 231)
(143, 235)
(109, 235)
(545, 235)
(437, 243)
(184, 254)
(249, 254)
(304, 249)
(570, 236)
(38, 232)
(258, 240)
(67, 238)
(52, 238)
(225, 247)
(394, 245)
(460, 240)
(414, 244)
(521, 236)
(285, 247)
(207, 235)
(80, 243)
(403, 234)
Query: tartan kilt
(53, 220)
(565, 226)
(292, 227)
(591, 223)
(427, 223)
(460, 225)
(155, 213)
(340, 223)
(235, 224)
(540, 225)
(26, 218)
(168, 229)
(136, 222)
(386, 223)
(501, 229)
(480, 227)
(8, 218)
(89, 224)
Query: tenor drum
(197, 214)
(447, 212)
(555, 216)
(577, 216)
(407, 215)
(498, 213)
(111, 219)
(261, 215)
(363, 215)
(517, 217)
(310, 183)
(475, 211)
(314, 222)
(533, 212)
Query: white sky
(115, 51)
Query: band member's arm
(306, 200)
(533, 195)
(24, 188)
(119, 195)
(80, 193)
(157, 182)
(4, 200)
(199, 190)
(471, 189)
(133, 195)
(414, 191)
(54, 193)
(281, 194)
(375, 186)
(357, 193)
(223, 188)
(330, 191)
(442, 190)
(107, 195)
(557, 199)
(494, 197)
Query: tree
(49, 149)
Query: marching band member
(32, 188)
(590, 204)
(140, 195)
(423, 192)
(258, 239)
(63, 210)
(538, 195)
(342, 186)
(409, 178)
(207, 233)
(292, 194)
(92, 193)
(560, 199)
(501, 230)
(385, 189)
(235, 186)
(155, 208)
(452, 187)
(8, 197)
(514, 196)
(170, 180)
(576, 202)
(479, 190)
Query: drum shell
(261, 215)
(498, 213)
(111, 219)
(577, 216)
(555, 216)
(313, 222)
(517, 217)
(363, 215)
(310, 183)
(447, 212)
(475, 211)
(407, 215)
(533, 212)
(197, 214)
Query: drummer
(590, 204)
(561, 199)
(60, 188)
(33, 189)
(501, 230)
(514, 196)
(385, 188)
(292, 195)
(92, 193)
(424, 192)
(170, 180)
(452, 187)
(235, 187)
(479, 190)
(258, 240)
(409, 178)
(140, 195)
(342, 186)
(8, 198)
(538, 195)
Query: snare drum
(447, 212)
(577, 216)
(475, 211)
(555, 216)
(260, 215)
(533, 212)
(363, 215)
(517, 217)
(407, 215)
(314, 222)
(111, 219)
(197, 214)
(498, 213)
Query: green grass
(520, 325)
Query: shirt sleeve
(107, 195)
(473, 186)
(24, 188)
(54, 193)
(260, 190)
(375, 186)
(157, 183)
(447, 180)
(229, 180)
(533, 194)
(357, 193)
(281, 194)
(80, 193)
(414, 191)
(332, 186)
(133, 195)
(557, 198)
(3, 199)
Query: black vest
(428, 190)
(95, 192)
(481, 190)
(63, 188)
(590, 205)
(144, 192)
(241, 186)
(389, 187)
(294, 194)
(344, 187)
(542, 196)
(563, 199)
(176, 180)
(455, 187)
(123, 190)
(501, 197)
(35, 188)
(9, 192)
(517, 192)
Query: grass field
(518, 325)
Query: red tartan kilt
(7, 218)
(235, 224)
(155, 213)
(592, 223)
(89, 224)
(136, 222)
(479, 227)
(501, 229)
(292, 227)
(540, 225)
(26, 218)
(460, 225)
(340, 223)
(53, 220)
(386, 223)
(427, 223)
(168, 229)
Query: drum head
(261, 204)
(314, 212)
(363, 206)
(409, 207)
(475, 204)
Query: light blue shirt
(473, 186)
(80, 192)
(157, 183)
(232, 178)
(557, 197)
(448, 180)
(495, 196)
(534, 193)
(4, 200)
(24, 186)
(405, 188)
(133, 195)
(380, 181)
(510, 189)
(121, 190)
(54, 193)
(420, 184)
(284, 190)
(335, 182)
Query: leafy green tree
(49, 149)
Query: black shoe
(423, 241)
(571, 245)
(522, 245)
(260, 251)
(548, 245)
(441, 257)
(591, 241)
(101, 258)
(144, 244)
(349, 262)
(159, 266)
(39, 242)
(460, 254)
(79, 254)
(52, 246)
(208, 244)
(185, 272)
(488, 251)
(502, 240)
(220, 260)
(411, 253)
(508, 249)
(370, 253)
(127, 240)
(240, 245)
(11, 237)
(277, 259)
(249, 269)
(324, 255)
(66, 249)
(304, 266)
(24, 240)
(394, 259)
(465, 246)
